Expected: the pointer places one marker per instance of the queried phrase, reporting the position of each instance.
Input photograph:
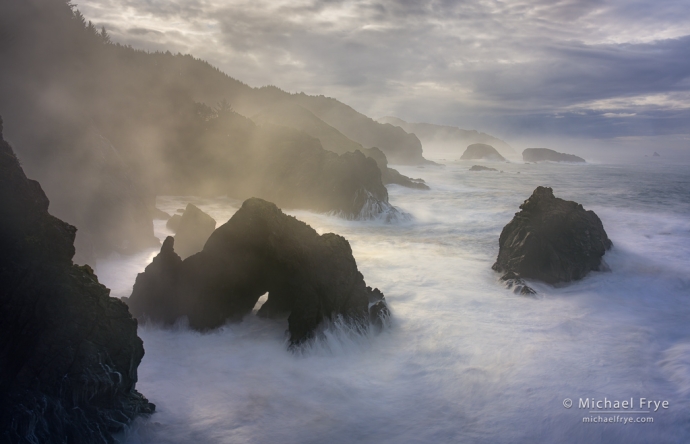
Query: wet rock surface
(259, 250)
(552, 240)
(68, 352)
(513, 281)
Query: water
(464, 360)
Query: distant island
(481, 151)
(547, 155)
(446, 140)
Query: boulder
(194, 229)
(547, 155)
(260, 250)
(552, 240)
(68, 351)
(481, 151)
(482, 168)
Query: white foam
(464, 360)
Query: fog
(464, 359)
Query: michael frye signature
(625, 411)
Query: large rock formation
(444, 141)
(309, 276)
(481, 151)
(552, 240)
(194, 229)
(295, 116)
(68, 352)
(547, 155)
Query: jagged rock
(552, 240)
(194, 229)
(310, 276)
(656, 154)
(68, 352)
(481, 151)
(173, 224)
(547, 155)
(160, 214)
(514, 282)
(482, 168)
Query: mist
(342, 127)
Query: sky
(525, 70)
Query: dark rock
(259, 250)
(656, 154)
(482, 168)
(552, 240)
(160, 214)
(391, 175)
(514, 282)
(173, 224)
(481, 151)
(194, 229)
(547, 155)
(68, 352)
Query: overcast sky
(571, 68)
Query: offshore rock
(173, 224)
(547, 155)
(259, 250)
(68, 352)
(482, 168)
(552, 240)
(481, 151)
(193, 231)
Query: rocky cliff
(68, 352)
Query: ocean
(464, 360)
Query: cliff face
(68, 352)
(310, 277)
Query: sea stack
(193, 231)
(547, 155)
(308, 277)
(481, 151)
(551, 240)
(68, 351)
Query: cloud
(489, 63)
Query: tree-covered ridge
(106, 127)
